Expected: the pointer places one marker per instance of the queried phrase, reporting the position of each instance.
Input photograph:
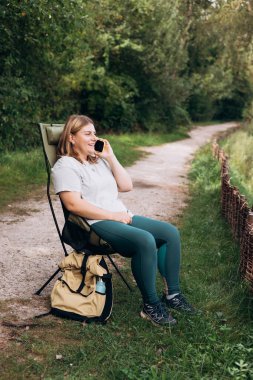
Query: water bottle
(100, 286)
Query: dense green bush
(132, 65)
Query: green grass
(239, 147)
(21, 173)
(217, 344)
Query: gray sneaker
(157, 314)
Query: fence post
(250, 220)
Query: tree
(218, 51)
(136, 64)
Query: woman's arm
(120, 174)
(75, 204)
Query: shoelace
(163, 310)
(181, 302)
(159, 310)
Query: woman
(88, 183)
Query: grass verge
(23, 172)
(239, 147)
(217, 344)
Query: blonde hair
(73, 125)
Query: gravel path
(30, 248)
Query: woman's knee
(176, 232)
(146, 242)
(172, 232)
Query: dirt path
(30, 248)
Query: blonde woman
(88, 183)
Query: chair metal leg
(119, 273)
(47, 282)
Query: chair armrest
(81, 222)
(89, 235)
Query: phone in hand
(99, 146)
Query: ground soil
(30, 247)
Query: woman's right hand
(122, 217)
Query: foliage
(166, 61)
(131, 66)
(220, 52)
(34, 60)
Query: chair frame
(48, 168)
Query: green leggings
(151, 244)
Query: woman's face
(84, 141)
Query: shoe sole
(147, 317)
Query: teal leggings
(151, 244)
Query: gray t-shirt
(95, 182)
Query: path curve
(30, 248)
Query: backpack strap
(106, 277)
(43, 314)
(83, 272)
(74, 291)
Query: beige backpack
(78, 294)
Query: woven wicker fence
(235, 209)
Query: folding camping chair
(76, 232)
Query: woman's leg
(169, 251)
(139, 244)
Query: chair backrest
(50, 134)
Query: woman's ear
(71, 139)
